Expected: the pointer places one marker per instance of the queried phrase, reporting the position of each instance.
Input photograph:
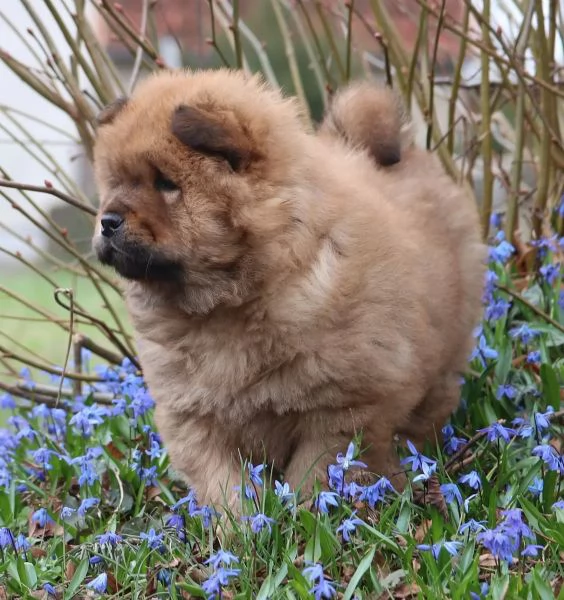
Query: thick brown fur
(290, 293)
(371, 117)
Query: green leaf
(77, 579)
(271, 583)
(549, 490)
(544, 590)
(554, 336)
(31, 575)
(498, 588)
(194, 589)
(550, 387)
(363, 566)
(503, 365)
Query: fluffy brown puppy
(286, 293)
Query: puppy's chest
(231, 374)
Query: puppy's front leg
(199, 453)
(310, 460)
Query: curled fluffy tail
(371, 117)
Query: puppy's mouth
(136, 261)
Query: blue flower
(88, 474)
(87, 418)
(536, 487)
(259, 522)
(558, 505)
(506, 391)
(416, 459)
(326, 499)
(549, 456)
(67, 513)
(453, 444)
(141, 404)
(550, 273)
(41, 517)
(177, 522)
(222, 558)
(451, 547)
(349, 526)
(99, 584)
(496, 431)
(524, 333)
(22, 545)
(155, 451)
(336, 477)
(499, 543)
(496, 310)
(484, 589)
(533, 357)
(283, 492)
(483, 352)
(352, 491)
(472, 479)
(472, 525)
(248, 491)
(489, 286)
(542, 420)
(109, 539)
(189, 499)
(7, 402)
(322, 588)
(428, 470)
(451, 493)
(42, 457)
(154, 539)
(255, 474)
(376, 492)
(219, 578)
(524, 428)
(531, 550)
(347, 461)
(496, 220)
(164, 576)
(502, 252)
(51, 591)
(6, 538)
(86, 505)
(513, 523)
(149, 475)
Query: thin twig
(432, 72)
(88, 344)
(16, 185)
(69, 294)
(528, 304)
(139, 53)
(350, 13)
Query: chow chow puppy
(288, 288)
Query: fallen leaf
(153, 492)
(70, 570)
(37, 552)
(407, 590)
(422, 530)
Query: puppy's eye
(163, 184)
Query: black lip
(136, 261)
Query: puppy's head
(193, 173)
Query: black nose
(111, 222)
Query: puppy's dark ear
(110, 112)
(210, 135)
